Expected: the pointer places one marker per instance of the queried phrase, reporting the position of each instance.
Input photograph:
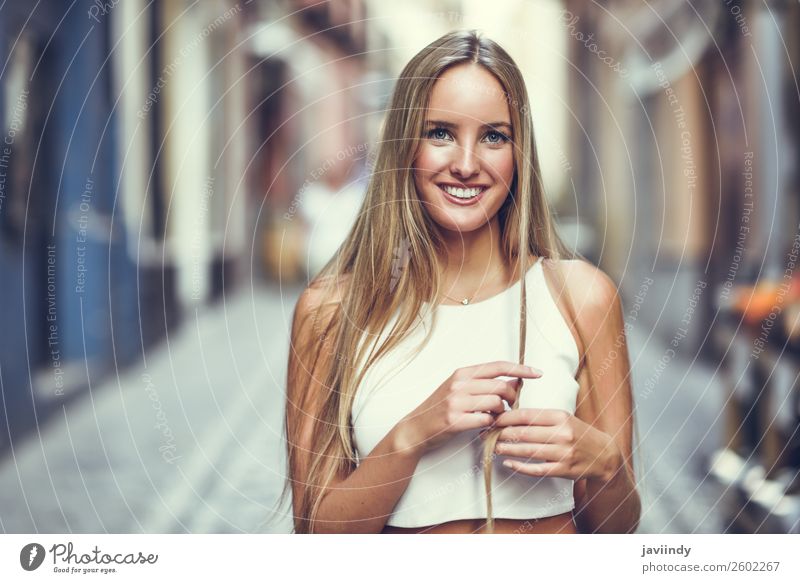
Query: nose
(465, 162)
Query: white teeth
(462, 192)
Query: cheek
(501, 165)
(430, 160)
(428, 163)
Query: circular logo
(31, 556)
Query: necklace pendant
(465, 301)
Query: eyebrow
(451, 125)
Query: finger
(475, 420)
(529, 416)
(497, 368)
(493, 403)
(526, 434)
(544, 469)
(528, 451)
(506, 389)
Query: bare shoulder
(312, 337)
(593, 295)
(589, 287)
(318, 302)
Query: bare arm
(610, 504)
(362, 501)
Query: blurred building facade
(686, 151)
(122, 206)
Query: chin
(460, 225)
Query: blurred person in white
(453, 331)
(328, 214)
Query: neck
(473, 261)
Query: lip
(461, 201)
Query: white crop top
(448, 482)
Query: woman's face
(465, 163)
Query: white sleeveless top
(448, 482)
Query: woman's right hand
(470, 398)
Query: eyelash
(503, 138)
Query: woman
(431, 348)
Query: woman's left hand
(567, 446)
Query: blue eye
(438, 134)
(495, 137)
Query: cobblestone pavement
(190, 441)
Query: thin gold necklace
(464, 301)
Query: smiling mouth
(463, 193)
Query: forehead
(468, 92)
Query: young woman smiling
(450, 332)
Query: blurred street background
(174, 172)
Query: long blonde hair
(392, 222)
